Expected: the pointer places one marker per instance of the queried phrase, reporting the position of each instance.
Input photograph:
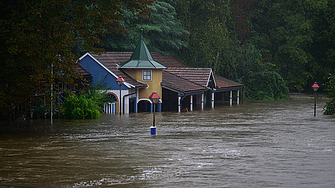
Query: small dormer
(144, 68)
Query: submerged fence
(110, 108)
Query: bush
(329, 108)
(267, 85)
(86, 103)
(80, 106)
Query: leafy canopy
(162, 31)
(329, 108)
(37, 37)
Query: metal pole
(120, 101)
(154, 117)
(315, 104)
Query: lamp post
(154, 97)
(315, 87)
(120, 81)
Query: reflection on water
(257, 144)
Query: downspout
(126, 96)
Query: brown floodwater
(256, 144)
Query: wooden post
(231, 97)
(179, 101)
(202, 101)
(212, 98)
(191, 104)
(238, 97)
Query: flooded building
(180, 86)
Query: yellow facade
(154, 84)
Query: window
(146, 75)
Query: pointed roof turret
(141, 58)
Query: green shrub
(86, 103)
(80, 106)
(329, 108)
(266, 85)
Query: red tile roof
(111, 60)
(113, 57)
(168, 60)
(182, 72)
(196, 75)
(179, 84)
(83, 71)
(223, 84)
(121, 57)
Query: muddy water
(257, 144)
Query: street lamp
(154, 97)
(120, 81)
(315, 87)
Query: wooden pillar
(191, 103)
(179, 103)
(238, 97)
(135, 105)
(231, 97)
(202, 100)
(212, 98)
(243, 94)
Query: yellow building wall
(154, 84)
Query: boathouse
(180, 86)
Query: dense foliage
(329, 109)
(254, 41)
(37, 37)
(86, 103)
(223, 43)
(80, 106)
(161, 30)
(298, 38)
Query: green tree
(162, 30)
(223, 43)
(208, 39)
(288, 33)
(37, 37)
(260, 80)
(329, 108)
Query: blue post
(153, 130)
(159, 107)
(135, 105)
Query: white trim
(145, 99)
(103, 66)
(211, 74)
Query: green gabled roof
(141, 59)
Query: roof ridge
(189, 68)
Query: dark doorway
(144, 106)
